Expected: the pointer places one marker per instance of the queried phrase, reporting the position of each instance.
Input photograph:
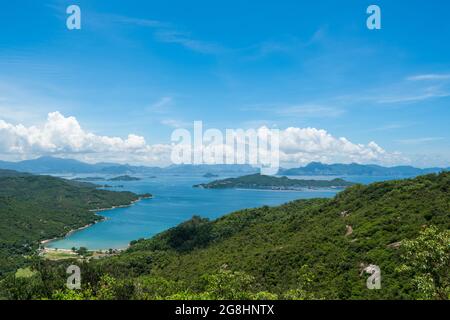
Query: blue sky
(147, 67)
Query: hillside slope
(34, 208)
(272, 244)
(258, 181)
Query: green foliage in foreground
(427, 260)
(223, 285)
(301, 250)
(431, 280)
(35, 208)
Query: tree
(306, 278)
(229, 285)
(83, 251)
(427, 258)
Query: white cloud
(64, 136)
(165, 32)
(303, 110)
(311, 110)
(414, 98)
(303, 145)
(430, 77)
(184, 39)
(162, 105)
(420, 140)
(175, 123)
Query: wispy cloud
(311, 111)
(287, 46)
(161, 106)
(185, 39)
(149, 23)
(420, 140)
(175, 123)
(403, 91)
(410, 94)
(163, 32)
(306, 110)
(413, 98)
(424, 77)
(393, 126)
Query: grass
(59, 255)
(25, 273)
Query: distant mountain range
(52, 165)
(354, 169)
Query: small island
(124, 178)
(89, 179)
(257, 181)
(210, 175)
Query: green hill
(306, 249)
(124, 178)
(35, 208)
(335, 238)
(258, 181)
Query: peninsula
(257, 181)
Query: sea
(174, 201)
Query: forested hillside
(35, 208)
(258, 181)
(335, 238)
(307, 249)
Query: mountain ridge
(318, 168)
(53, 165)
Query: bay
(175, 201)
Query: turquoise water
(176, 201)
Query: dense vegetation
(306, 249)
(35, 208)
(258, 181)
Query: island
(124, 178)
(210, 175)
(88, 179)
(258, 181)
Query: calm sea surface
(175, 201)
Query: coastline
(42, 243)
(286, 190)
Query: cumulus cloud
(303, 145)
(300, 146)
(64, 136)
